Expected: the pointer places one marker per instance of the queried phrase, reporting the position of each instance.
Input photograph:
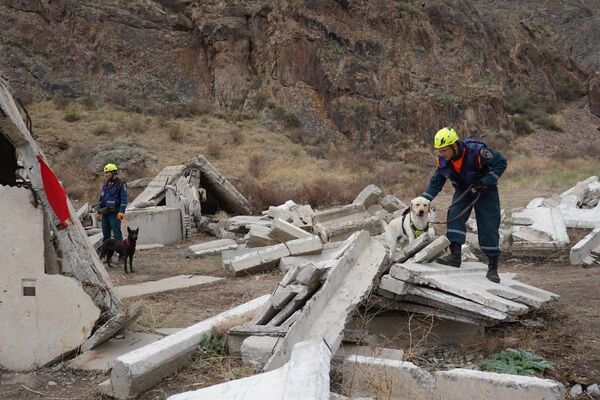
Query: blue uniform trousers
(487, 213)
(110, 222)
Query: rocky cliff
(364, 71)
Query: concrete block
(102, 357)
(432, 250)
(258, 236)
(327, 254)
(154, 192)
(412, 248)
(211, 248)
(304, 377)
(295, 304)
(581, 252)
(307, 245)
(42, 316)
(458, 384)
(158, 225)
(281, 296)
(309, 275)
(164, 285)
(337, 212)
(469, 281)
(259, 259)
(347, 284)
(342, 228)
(368, 196)
(256, 350)
(548, 221)
(142, 368)
(391, 203)
(283, 231)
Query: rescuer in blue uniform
(471, 166)
(112, 203)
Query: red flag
(57, 197)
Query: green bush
(213, 345)
(288, 118)
(522, 125)
(410, 9)
(517, 362)
(100, 130)
(72, 116)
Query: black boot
(492, 273)
(454, 258)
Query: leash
(468, 208)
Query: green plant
(522, 125)
(175, 133)
(445, 99)
(213, 345)
(288, 118)
(518, 362)
(410, 9)
(214, 150)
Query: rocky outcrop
(346, 70)
(594, 94)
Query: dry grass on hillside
(271, 166)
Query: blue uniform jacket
(113, 196)
(480, 163)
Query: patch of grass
(214, 150)
(101, 130)
(287, 118)
(526, 110)
(362, 112)
(256, 166)
(522, 125)
(175, 133)
(445, 99)
(135, 124)
(408, 8)
(61, 102)
(235, 137)
(72, 116)
(517, 362)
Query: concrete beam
(258, 236)
(432, 250)
(368, 196)
(283, 231)
(141, 369)
(304, 377)
(348, 283)
(164, 285)
(259, 259)
(391, 203)
(414, 247)
(333, 213)
(310, 244)
(581, 252)
(211, 248)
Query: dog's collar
(416, 231)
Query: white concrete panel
(164, 285)
(158, 225)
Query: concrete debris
(259, 236)
(283, 231)
(158, 225)
(308, 245)
(298, 215)
(432, 250)
(259, 259)
(164, 285)
(142, 368)
(84, 212)
(368, 196)
(211, 248)
(155, 192)
(412, 248)
(576, 390)
(304, 377)
(391, 203)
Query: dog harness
(416, 231)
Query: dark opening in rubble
(8, 162)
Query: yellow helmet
(110, 168)
(445, 137)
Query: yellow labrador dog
(410, 225)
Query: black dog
(125, 248)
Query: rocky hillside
(351, 70)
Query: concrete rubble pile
(170, 207)
(55, 295)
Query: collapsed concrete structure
(54, 291)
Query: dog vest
(471, 169)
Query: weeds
(175, 133)
(517, 362)
(213, 345)
(214, 150)
(256, 166)
(61, 102)
(526, 110)
(288, 118)
(235, 137)
(72, 116)
(410, 9)
(100, 130)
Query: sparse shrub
(445, 99)
(204, 120)
(522, 125)
(175, 133)
(256, 165)
(213, 345)
(100, 130)
(519, 362)
(89, 102)
(162, 121)
(72, 116)
(362, 113)
(568, 91)
(119, 97)
(260, 101)
(214, 150)
(135, 124)
(61, 102)
(235, 137)
(288, 118)
(410, 9)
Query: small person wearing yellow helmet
(112, 203)
(473, 168)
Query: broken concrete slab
(391, 203)
(433, 250)
(158, 225)
(412, 248)
(154, 193)
(228, 197)
(572, 217)
(139, 183)
(259, 259)
(305, 246)
(547, 221)
(102, 357)
(329, 214)
(164, 285)
(295, 304)
(287, 262)
(469, 282)
(43, 316)
(84, 211)
(243, 223)
(211, 248)
(283, 231)
(142, 368)
(258, 236)
(458, 384)
(342, 228)
(581, 252)
(304, 377)
(348, 283)
(368, 196)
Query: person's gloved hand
(477, 186)
(98, 216)
(121, 216)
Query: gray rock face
(124, 156)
